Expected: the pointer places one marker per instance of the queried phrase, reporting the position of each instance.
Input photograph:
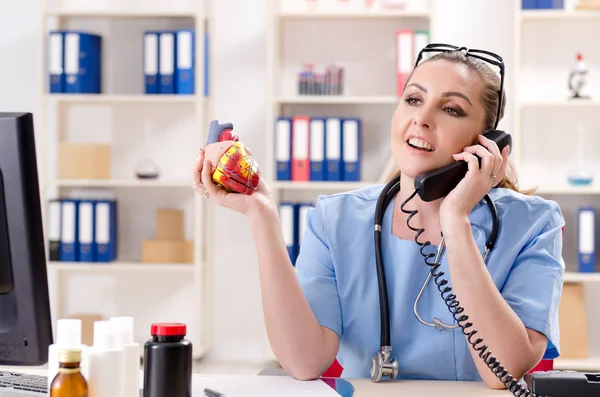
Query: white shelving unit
(123, 116)
(546, 122)
(313, 34)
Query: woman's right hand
(250, 205)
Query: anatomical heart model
(233, 166)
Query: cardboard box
(87, 326)
(170, 224)
(167, 251)
(572, 318)
(84, 161)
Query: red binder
(300, 148)
(405, 57)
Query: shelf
(566, 103)
(116, 99)
(121, 183)
(120, 13)
(353, 14)
(589, 364)
(569, 190)
(576, 277)
(558, 14)
(107, 267)
(309, 186)
(338, 99)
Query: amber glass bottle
(69, 382)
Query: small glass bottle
(69, 381)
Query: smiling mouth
(420, 145)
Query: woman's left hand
(478, 181)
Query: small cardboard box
(84, 161)
(167, 251)
(572, 319)
(87, 326)
(170, 224)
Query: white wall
(239, 81)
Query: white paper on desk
(260, 386)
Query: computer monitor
(25, 320)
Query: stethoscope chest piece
(383, 366)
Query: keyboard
(34, 384)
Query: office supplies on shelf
(300, 148)
(83, 63)
(84, 160)
(580, 174)
(351, 152)
(293, 223)
(588, 5)
(333, 148)
(168, 362)
(56, 61)
(168, 244)
(573, 322)
(310, 149)
(578, 78)
(317, 149)
(170, 62)
(328, 82)
(288, 218)
(167, 42)
(542, 4)
(185, 69)
(283, 148)
(409, 43)
(586, 239)
(151, 56)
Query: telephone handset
(437, 183)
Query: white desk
(366, 388)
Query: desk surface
(366, 388)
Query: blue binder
(151, 57)
(186, 63)
(69, 244)
(333, 149)
(529, 4)
(283, 148)
(586, 239)
(56, 62)
(167, 62)
(86, 229)
(106, 230)
(544, 4)
(288, 215)
(83, 63)
(206, 64)
(351, 148)
(318, 165)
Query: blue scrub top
(336, 269)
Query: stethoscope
(382, 364)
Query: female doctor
(329, 307)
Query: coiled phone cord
(457, 312)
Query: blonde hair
(489, 100)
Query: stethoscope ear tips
(383, 366)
